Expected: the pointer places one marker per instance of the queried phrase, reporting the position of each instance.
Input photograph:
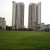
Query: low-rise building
(42, 26)
(47, 26)
(2, 23)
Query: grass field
(24, 40)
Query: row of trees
(24, 29)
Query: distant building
(18, 15)
(32, 16)
(47, 26)
(13, 14)
(42, 27)
(38, 16)
(38, 13)
(2, 23)
(34, 19)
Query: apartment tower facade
(32, 16)
(38, 13)
(34, 19)
(18, 15)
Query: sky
(6, 10)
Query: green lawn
(24, 40)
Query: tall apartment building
(38, 16)
(18, 15)
(34, 15)
(13, 14)
(2, 23)
(38, 13)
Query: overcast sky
(6, 10)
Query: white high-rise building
(18, 15)
(32, 16)
(38, 13)
(13, 14)
(38, 16)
